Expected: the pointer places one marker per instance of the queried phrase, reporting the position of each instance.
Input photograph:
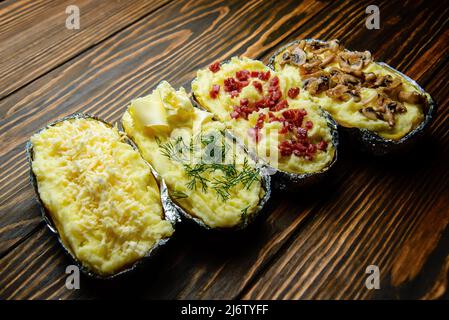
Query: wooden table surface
(391, 212)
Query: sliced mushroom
(328, 59)
(383, 81)
(315, 74)
(339, 92)
(393, 88)
(317, 47)
(388, 116)
(285, 58)
(411, 97)
(312, 65)
(386, 109)
(370, 77)
(353, 60)
(298, 57)
(369, 113)
(344, 93)
(316, 85)
(340, 77)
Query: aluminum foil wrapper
(370, 141)
(169, 209)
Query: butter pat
(150, 112)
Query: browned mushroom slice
(316, 85)
(340, 77)
(387, 108)
(353, 61)
(327, 59)
(343, 93)
(370, 77)
(298, 57)
(369, 113)
(312, 65)
(388, 116)
(285, 58)
(339, 92)
(317, 47)
(315, 74)
(411, 97)
(383, 81)
(393, 88)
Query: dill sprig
(177, 151)
(246, 177)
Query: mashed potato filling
(100, 193)
(266, 110)
(347, 112)
(179, 140)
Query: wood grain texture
(390, 211)
(35, 40)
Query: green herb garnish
(177, 150)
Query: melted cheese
(189, 123)
(100, 194)
(267, 147)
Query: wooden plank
(34, 38)
(205, 266)
(186, 37)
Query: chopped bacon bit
(214, 67)
(275, 94)
(242, 75)
(260, 121)
(309, 124)
(284, 130)
(255, 74)
(281, 105)
(244, 110)
(286, 148)
(258, 86)
(322, 145)
(295, 116)
(231, 85)
(244, 102)
(274, 82)
(301, 133)
(264, 75)
(293, 92)
(214, 91)
(244, 84)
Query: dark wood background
(392, 212)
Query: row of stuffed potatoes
(113, 196)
